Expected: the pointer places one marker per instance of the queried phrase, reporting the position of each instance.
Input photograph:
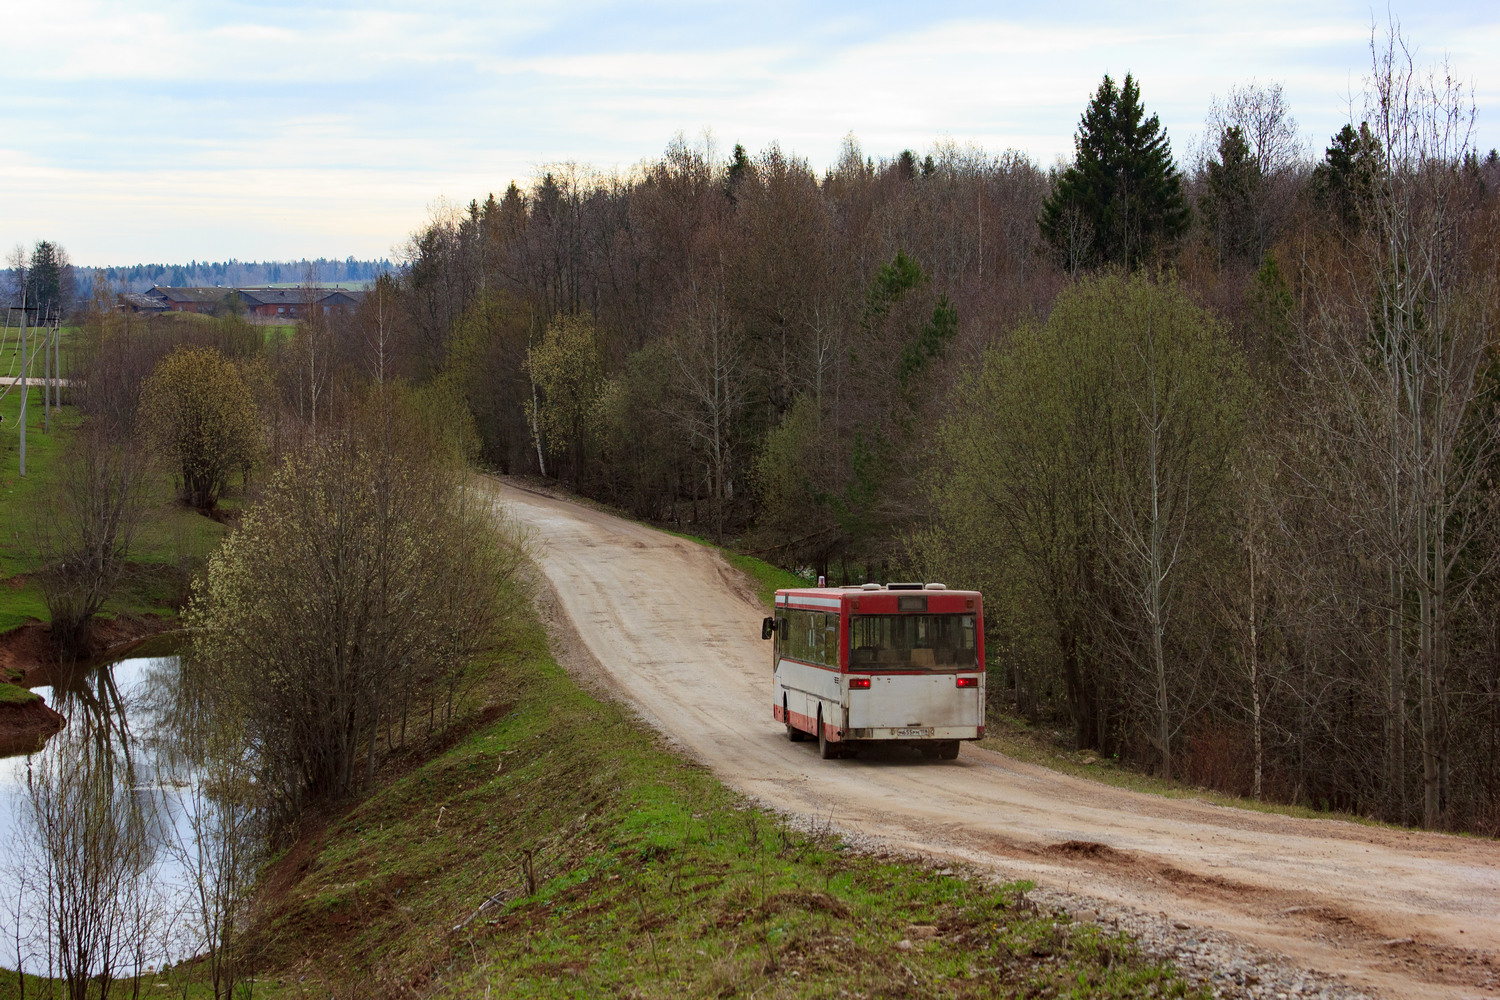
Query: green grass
(10, 348)
(650, 879)
(23, 500)
(10, 694)
(10, 987)
(169, 540)
(768, 578)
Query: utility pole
(24, 359)
(47, 381)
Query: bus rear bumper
(908, 734)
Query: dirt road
(676, 633)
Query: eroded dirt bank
(675, 632)
(25, 727)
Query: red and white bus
(903, 662)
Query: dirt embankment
(25, 726)
(28, 660)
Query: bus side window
(830, 640)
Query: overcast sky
(286, 130)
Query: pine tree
(1122, 197)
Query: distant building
(139, 302)
(265, 303)
(297, 303)
(341, 302)
(189, 300)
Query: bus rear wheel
(826, 749)
(792, 732)
(948, 750)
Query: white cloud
(234, 130)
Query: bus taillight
(968, 682)
(858, 682)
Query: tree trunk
(1395, 704)
(1255, 787)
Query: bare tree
(84, 537)
(1264, 117)
(1149, 516)
(1178, 408)
(1409, 430)
(93, 851)
(708, 351)
(221, 841)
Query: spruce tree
(734, 175)
(906, 164)
(51, 279)
(1345, 180)
(1122, 197)
(1230, 203)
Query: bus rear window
(911, 642)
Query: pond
(112, 795)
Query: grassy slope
(651, 879)
(10, 694)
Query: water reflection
(97, 817)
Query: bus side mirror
(767, 627)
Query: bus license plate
(912, 733)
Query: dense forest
(201, 273)
(1217, 440)
(139, 277)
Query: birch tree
(1176, 412)
(567, 368)
(1096, 446)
